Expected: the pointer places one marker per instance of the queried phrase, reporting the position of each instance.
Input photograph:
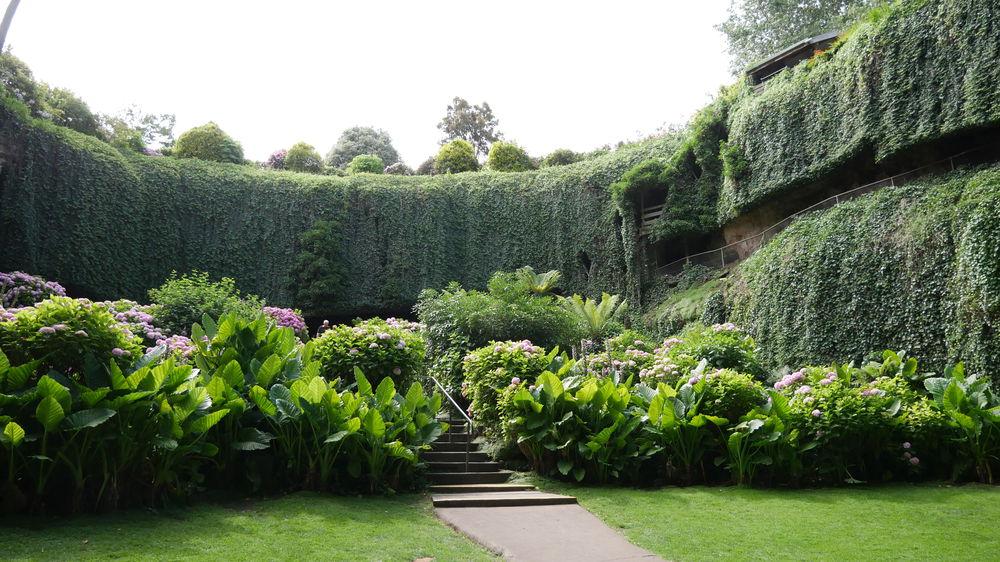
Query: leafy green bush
(578, 427)
(508, 157)
(356, 141)
(61, 333)
(561, 157)
(729, 394)
(19, 289)
(381, 348)
(208, 142)
(454, 157)
(459, 320)
(723, 346)
(625, 356)
(489, 370)
(183, 300)
(366, 164)
(302, 157)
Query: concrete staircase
(463, 476)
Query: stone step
(477, 466)
(457, 437)
(476, 488)
(498, 477)
(444, 447)
(455, 456)
(500, 499)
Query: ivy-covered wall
(913, 268)
(76, 210)
(922, 73)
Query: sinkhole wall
(75, 210)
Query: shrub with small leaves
(491, 369)
(366, 164)
(380, 348)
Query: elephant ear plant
(579, 427)
(973, 409)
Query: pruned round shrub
(19, 289)
(454, 157)
(561, 157)
(208, 142)
(508, 157)
(61, 332)
(183, 300)
(366, 164)
(302, 157)
(380, 348)
(493, 368)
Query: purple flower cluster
(727, 327)
(276, 161)
(287, 318)
(136, 319)
(151, 152)
(405, 325)
(18, 289)
(790, 379)
(177, 345)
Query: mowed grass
(302, 526)
(899, 522)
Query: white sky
(557, 74)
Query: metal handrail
(468, 420)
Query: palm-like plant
(539, 283)
(596, 317)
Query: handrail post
(470, 427)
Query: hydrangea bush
(380, 348)
(288, 318)
(62, 332)
(494, 368)
(19, 289)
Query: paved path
(544, 533)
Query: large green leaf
(13, 434)
(233, 374)
(364, 387)
(385, 391)
(204, 423)
(268, 371)
(259, 397)
(564, 466)
(252, 439)
(953, 396)
(87, 418)
(373, 424)
(49, 413)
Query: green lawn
(900, 522)
(298, 527)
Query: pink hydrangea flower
(816, 413)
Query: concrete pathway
(544, 533)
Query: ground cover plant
(893, 522)
(314, 526)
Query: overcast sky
(557, 74)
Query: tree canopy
(302, 157)
(362, 140)
(756, 29)
(475, 124)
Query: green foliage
(865, 100)
(302, 157)
(730, 394)
(493, 369)
(474, 124)
(508, 157)
(72, 112)
(133, 130)
(596, 319)
(361, 140)
(911, 267)
(366, 164)
(63, 334)
(454, 157)
(208, 142)
(539, 283)
(561, 157)
(757, 29)
(722, 346)
(381, 348)
(460, 320)
(579, 428)
(318, 273)
(974, 409)
(183, 300)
